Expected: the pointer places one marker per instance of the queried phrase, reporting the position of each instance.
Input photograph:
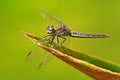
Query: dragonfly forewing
(51, 19)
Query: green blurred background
(87, 16)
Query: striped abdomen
(80, 35)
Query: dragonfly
(61, 32)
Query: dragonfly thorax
(50, 30)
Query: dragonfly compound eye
(50, 29)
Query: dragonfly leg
(52, 40)
(49, 39)
(57, 40)
(64, 39)
(46, 37)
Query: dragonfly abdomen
(80, 35)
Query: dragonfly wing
(46, 60)
(45, 14)
(34, 54)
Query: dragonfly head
(50, 30)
